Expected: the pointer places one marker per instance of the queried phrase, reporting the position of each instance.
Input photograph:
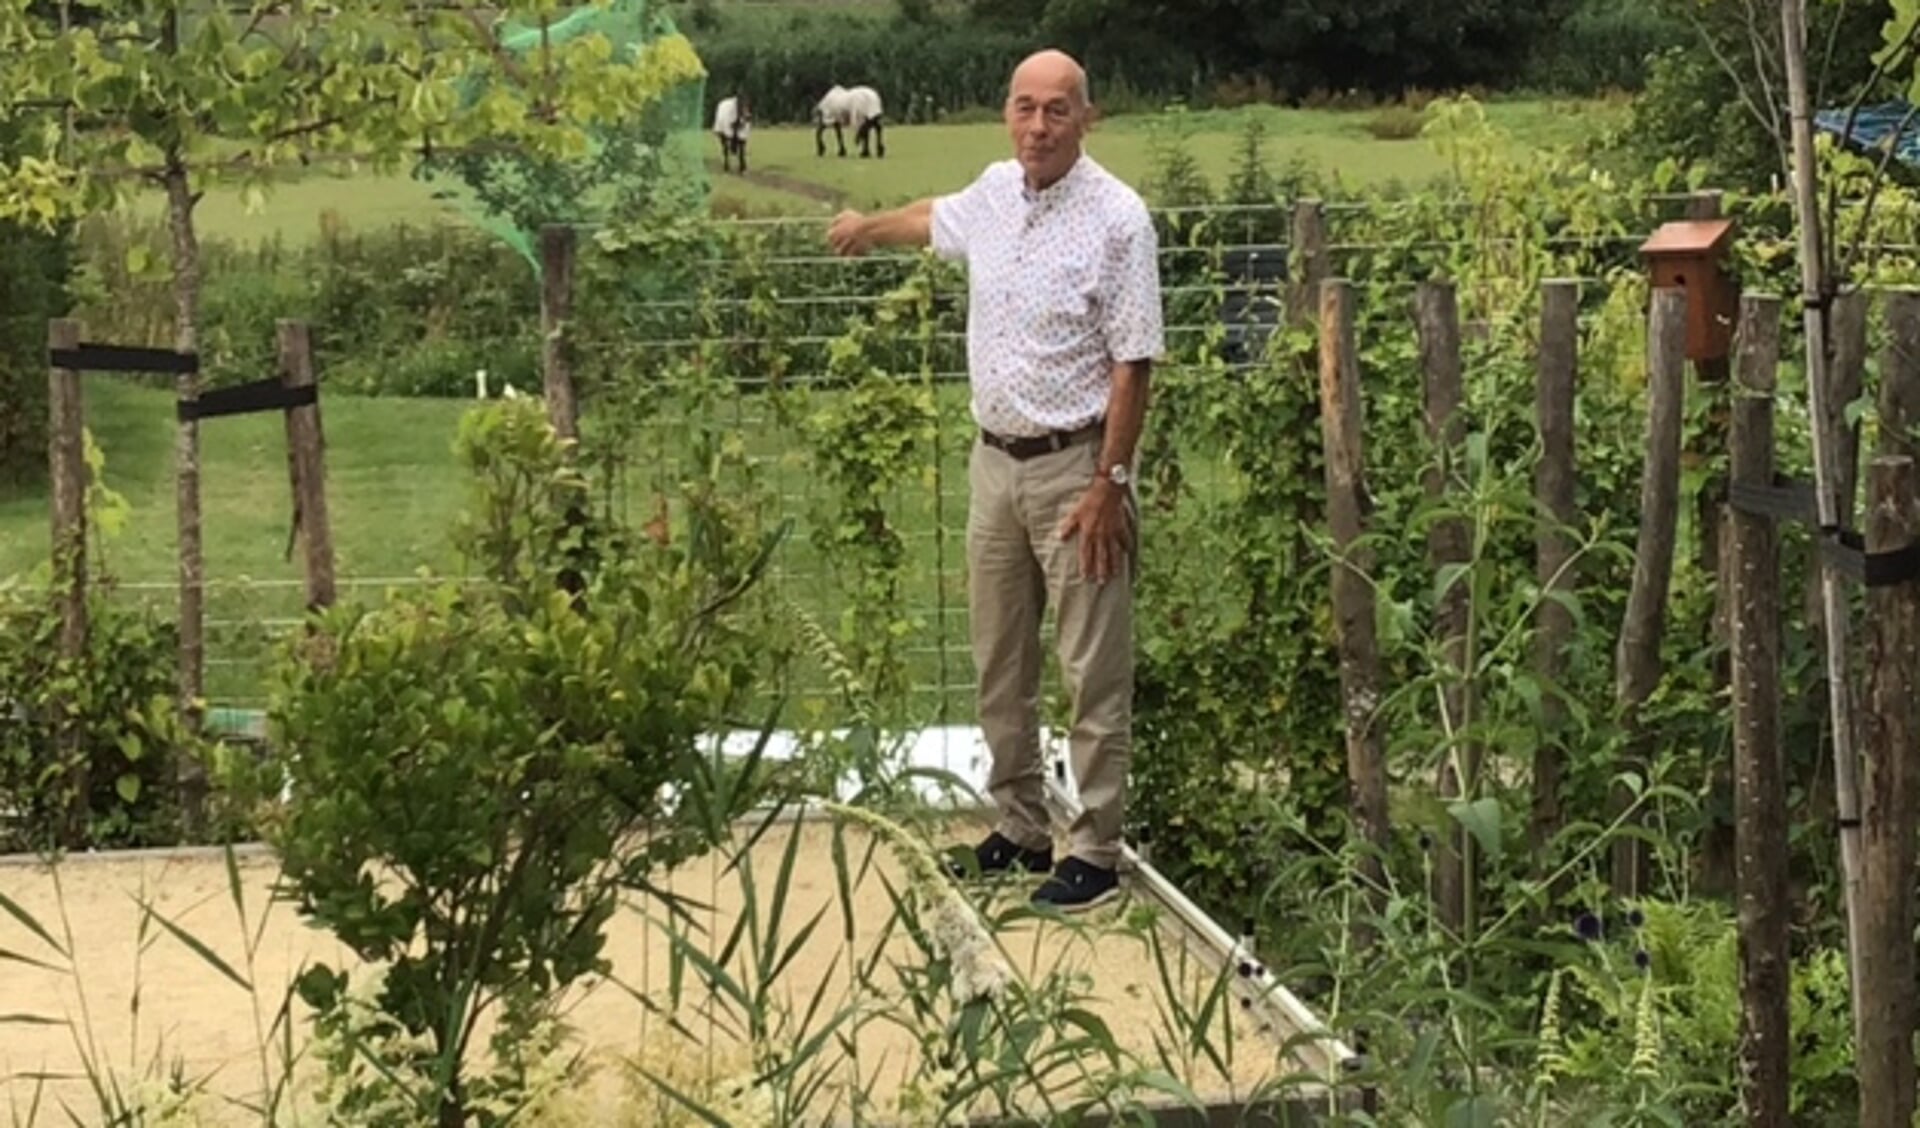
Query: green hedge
(1607, 45)
(922, 72)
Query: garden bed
(153, 1005)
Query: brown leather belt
(1023, 447)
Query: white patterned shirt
(1062, 284)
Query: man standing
(1063, 324)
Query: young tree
(181, 95)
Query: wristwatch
(1118, 474)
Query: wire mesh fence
(775, 330)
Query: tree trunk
(67, 460)
(190, 773)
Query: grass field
(394, 485)
(394, 492)
(788, 179)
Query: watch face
(1119, 475)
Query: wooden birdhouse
(1691, 254)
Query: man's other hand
(848, 235)
(1104, 528)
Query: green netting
(651, 164)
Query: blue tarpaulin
(1874, 127)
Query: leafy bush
(508, 759)
(1694, 112)
(1396, 123)
(120, 701)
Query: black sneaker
(1077, 886)
(997, 855)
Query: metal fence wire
(772, 325)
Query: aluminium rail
(1278, 1013)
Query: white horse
(859, 107)
(732, 121)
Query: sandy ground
(152, 999)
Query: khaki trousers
(1017, 565)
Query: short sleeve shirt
(1062, 284)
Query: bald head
(1048, 112)
(1053, 71)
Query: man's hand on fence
(1102, 523)
(849, 235)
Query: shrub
(513, 759)
(1396, 123)
(1693, 111)
(120, 699)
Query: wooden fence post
(1848, 376)
(1449, 543)
(1553, 484)
(1891, 725)
(1353, 604)
(67, 466)
(556, 311)
(1708, 448)
(1638, 657)
(1308, 266)
(1759, 772)
(1899, 402)
(306, 462)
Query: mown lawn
(788, 179)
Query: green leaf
(1447, 576)
(24, 917)
(15, 957)
(128, 788)
(207, 955)
(1482, 819)
(1474, 1112)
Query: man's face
(1047, 118)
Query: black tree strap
(1847, 553)
(1842, 549)
(1785, 500)
(115, 358)
(261, 395)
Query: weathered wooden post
(1638, 657)
(306, 462)
(1307, 267)
(1353, 606)
(1899, 401)
(1759, 772)
(1553, 484)
(1884, 982)
(67, 466)
(1449, 542)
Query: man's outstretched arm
(855, 233)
